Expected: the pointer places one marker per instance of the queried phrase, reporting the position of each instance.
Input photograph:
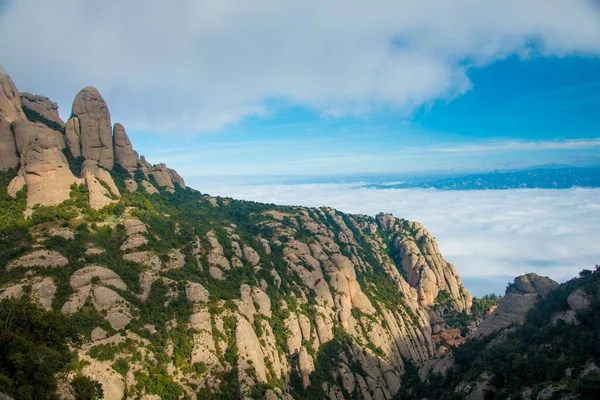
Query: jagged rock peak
(425, 268)
(10, 104)
(41, 109)
(95, 127)
(124, 153)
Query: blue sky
(342, 87)
(519, 112)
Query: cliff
(178, 293)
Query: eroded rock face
(41, 109)
(25, 130)
(520, 297)
(10, 103)
(426, 269)
(124, 153)
(8, 148)
(95, 127)
(46, 172)
(176, 178)
(73, 136)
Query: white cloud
(199, 65)
(490, 236)
(518, 145)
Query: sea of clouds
(490, 236)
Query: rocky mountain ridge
(184, 295)
(34, 138)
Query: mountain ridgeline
(120, 282)
(175, 293)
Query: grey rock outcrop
(124, 153)
(95, 127)
(41, 109)
(520, 297)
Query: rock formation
(25, 130)
(45, 171)
(424, 265)
(95, 127)
(10, 103)
(520, 297)
(41, 109)
(124, 153)
(73, 136)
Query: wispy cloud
(514, 145)
(490, 236)
(220, 62)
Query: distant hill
(553, 177)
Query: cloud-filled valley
(490, 236)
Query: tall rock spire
(124, 153)
(95, 128)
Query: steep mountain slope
(178, 294)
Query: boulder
(124, 153)
(98, 334)
(8, 148)
(105, 276)
(131, 185)
(195, 292)
(41, 109)
(95, 127)
(39, 258)
(10, 103)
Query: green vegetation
(34, 347)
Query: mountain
(542, 342)
(164, 292)
(542, 177)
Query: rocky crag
(179, 294)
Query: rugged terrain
(179, 294)
(120, 282)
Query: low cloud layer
(200, 65)
(490, 236)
